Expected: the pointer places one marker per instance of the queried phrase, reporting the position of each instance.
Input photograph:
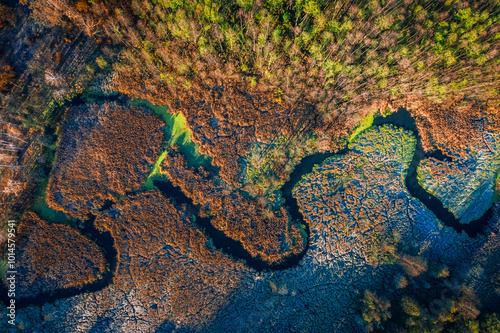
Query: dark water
(403, 118)
(105, 243)
(228, 245)
(234, 248)
(103, 239)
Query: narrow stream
(224, 243)
(106, 245)
(402, 118)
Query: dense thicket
(162, 250)
(106, 151)
(267, 234)
(269, 60)
(328, 52)
(53, 257)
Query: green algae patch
(365, 123)
(160, 110)
(156, 173)
(42, 209)
(180, 139)
(177, 137)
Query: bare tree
(13, 186)
(88, 24)
(53, 78)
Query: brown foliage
(51, 12)
(162, 251)
(64, 13)
(262, 231)
(413, 265)
(54, 256)
(105, 151)
(454, 123)
(375, 310)
(467, 303)
(7, 77)
(93, 18)
(227, 117)
(6, 16)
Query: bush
(7, 76)
(101, 62)
(375, 310)
(410, 306)
(413, 265)
(491, 323)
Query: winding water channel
(402, 118)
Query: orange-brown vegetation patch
(454, 123)
(226, 118)
(105, 151)
(18, 181)
(7, 77)
(263, 232)
(12, 143)
(6, 16)
(173, 262)
(52, 257)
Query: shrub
(491, 323)
(101, 62)
(7, 76)
(413, 265)
(375, 310)
(410, 306)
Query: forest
(239, 165)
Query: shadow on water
(228, 245)
(105, 242)
(401, 118)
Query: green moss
(364, 124)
